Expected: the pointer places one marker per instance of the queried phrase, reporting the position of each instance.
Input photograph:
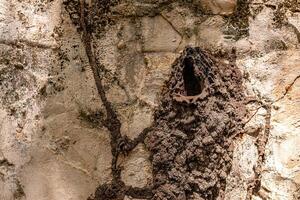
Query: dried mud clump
(109, 191)
(99, 14)
(191, 144)
(190, 141)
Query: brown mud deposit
(201, 111)
(191, 140)
(99, 14)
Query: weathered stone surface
(222, 7)
(283, 153)
(159, 35)
(53, 145)
(245, 153)
(137, 168)
(136, 119)
(210, 34)
(130, 198)
(158, 70)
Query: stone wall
(54, 141)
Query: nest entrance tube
(193, 84)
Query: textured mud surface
(99, 16)
(200, 112)
(83, 114)
(202, 109)
(190, 141)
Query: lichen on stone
(281, 10)
(238, 22)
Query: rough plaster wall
(50, 148)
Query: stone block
(159, 35)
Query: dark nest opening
(193, 83)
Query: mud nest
(200, 112)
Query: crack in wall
(261, 142)
(288, 88)
(262, 138)
(28, 43)
(174, 28)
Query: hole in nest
(193, 83)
